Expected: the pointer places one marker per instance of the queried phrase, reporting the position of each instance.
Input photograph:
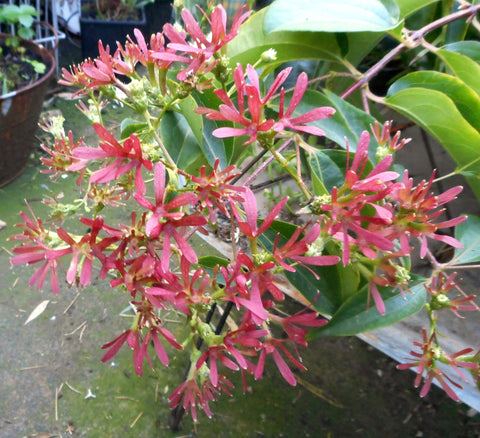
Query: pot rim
(46, 56)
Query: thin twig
(33, 368)
(76, 330)
(81, 333)
(72, 388)
(71, 303)
(136, 419)
(415, 38)
(57, 391)
(266, 163)
(250, 165)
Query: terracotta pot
(19, 113)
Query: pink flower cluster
(427, 360)
(250, 112)
(398, 212)
(367, 222)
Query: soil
(17, 68)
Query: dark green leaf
(329, 287)
(212, 146)
(187, 107)
(356, 316)
(180, 142)
(324, 167)
(252, 41)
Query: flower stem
(297, 178)
(414, 38)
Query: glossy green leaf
(463, 67)
(355, 119)
(357, 316)
(211, 262)
(180, 141)
(328, 16)
(131, 126)
(214, 147)
(468, 233)
(328, 167)
(195, 121)
(436, 113)
(471, 49)
(464, 98)
(408, 7)
(252, 41)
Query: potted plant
(25, 68)
(111, 20)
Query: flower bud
(439, 301)
(316, 203)
(269, 55)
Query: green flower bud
(262, 257)
(316, 203)
(402, 275)
(269, 55)
(440, 301)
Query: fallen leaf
(37, 311)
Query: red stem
(415, 37)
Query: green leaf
(131, 126)
(328, 16)
(26, 33)
(355, 316)
(212, 146)
(471, 49)
(330, 165)
(210, 262)
(187, 107)
(463, 67)
(468, 233)
(180, 142)
(325, 166)
(436, 113)
(408, 7)
(464, 98)
(252, 41)
(356, 120)
(315, 291)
